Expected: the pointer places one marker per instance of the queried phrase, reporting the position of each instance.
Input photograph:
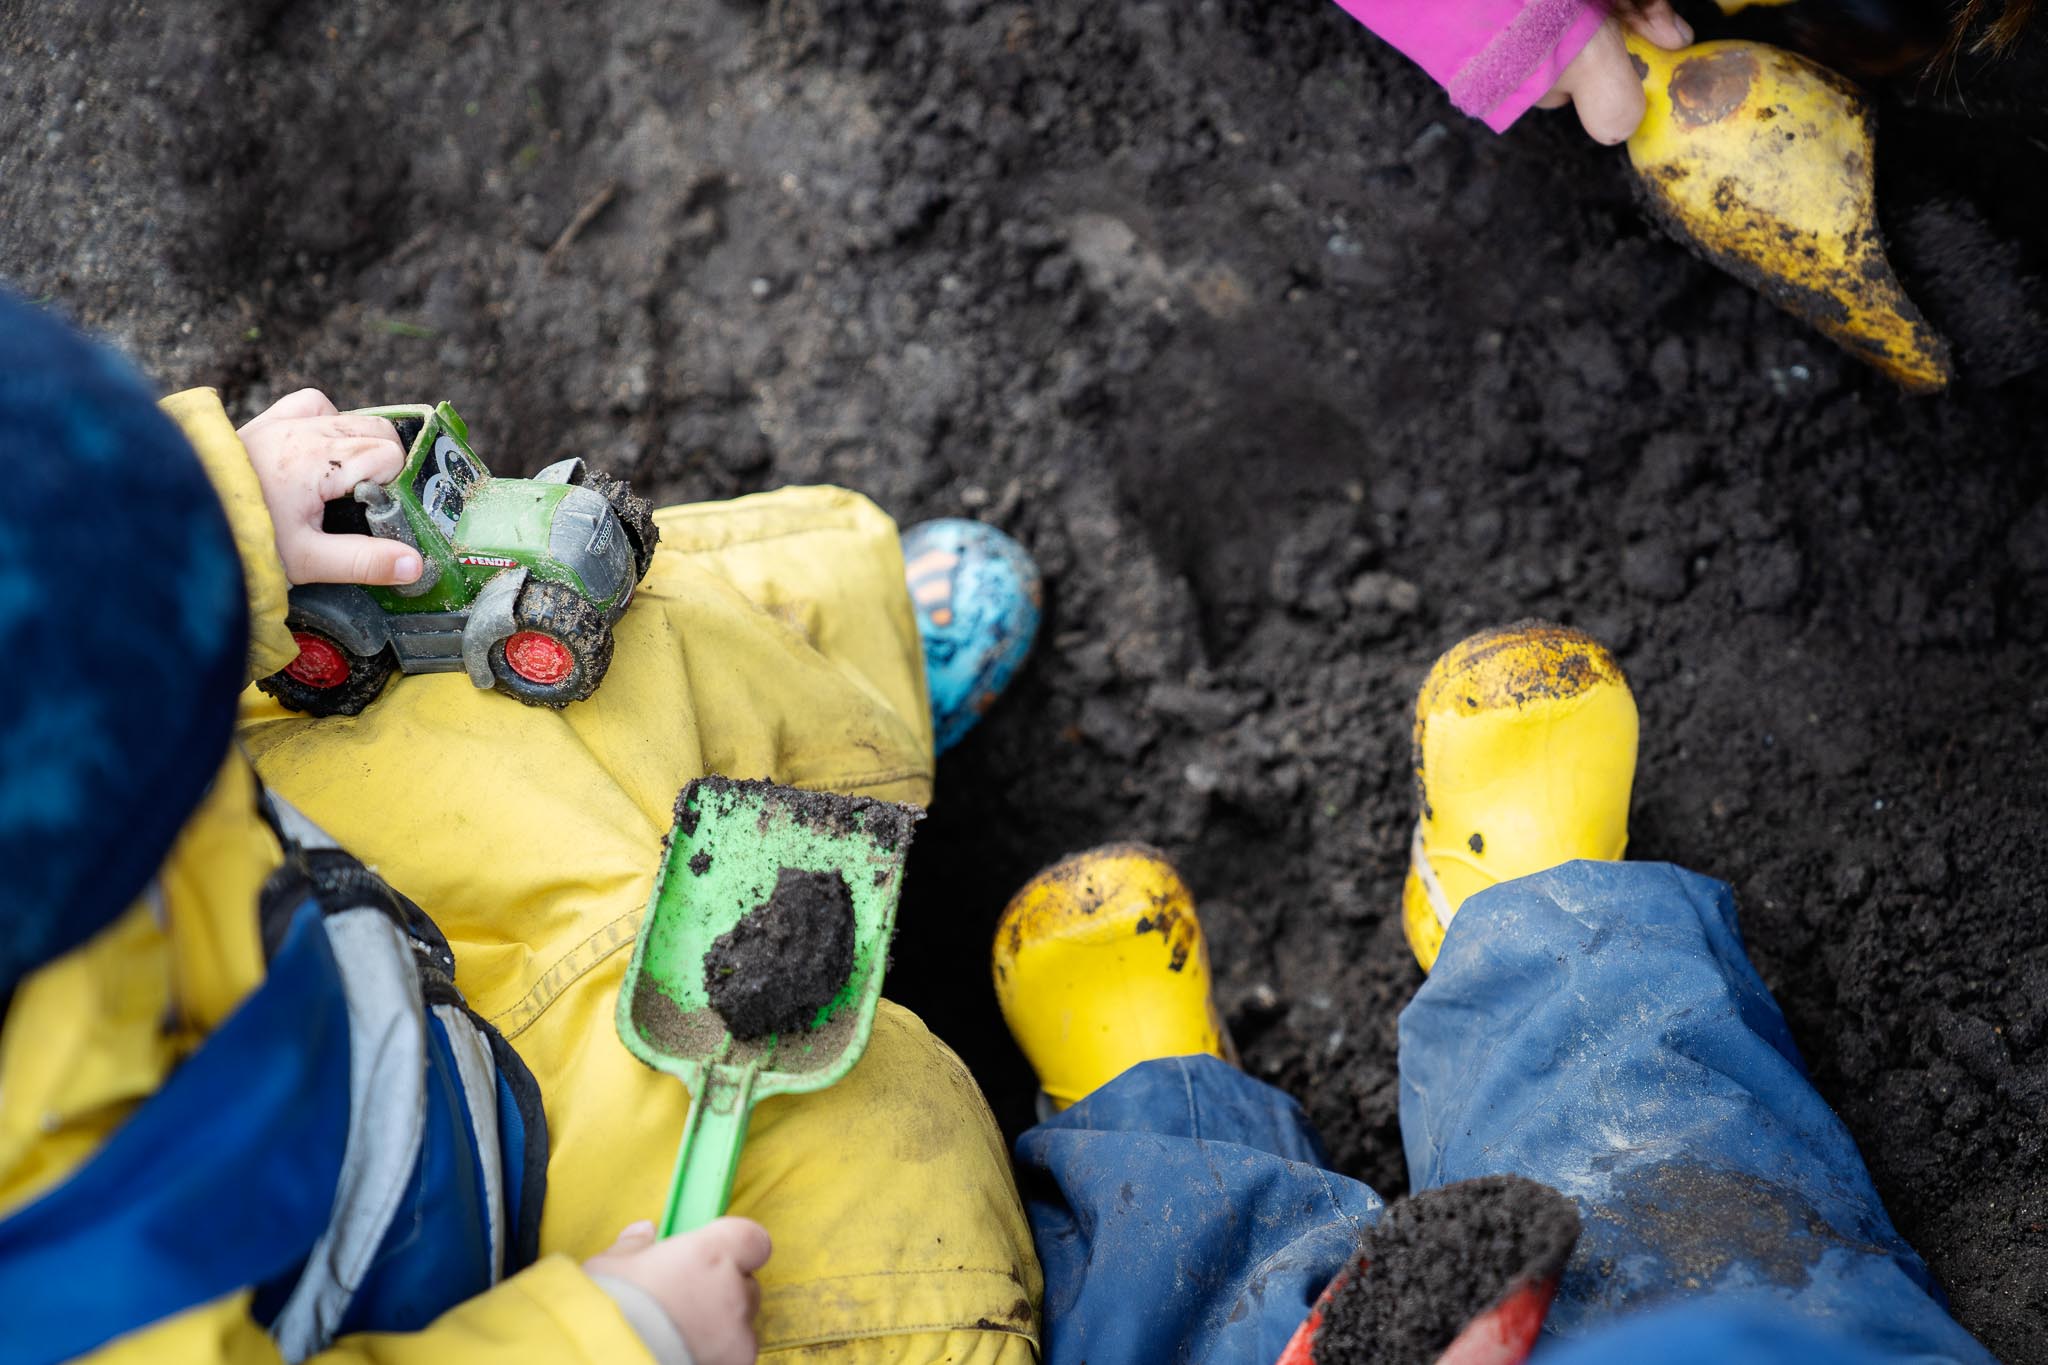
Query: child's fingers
(349, 424)
(318, 557)
(303, 403)
(634, 1236)
(1611, 109)
(1604, 87)
(744, 1240)
(1660, 23)
(351, 461)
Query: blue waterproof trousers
(1596, 1027)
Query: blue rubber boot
(977, 596)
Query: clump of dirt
(1436, 1261)
(786, 959)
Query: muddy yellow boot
(1525, 751)
(1100, 964)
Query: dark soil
(636, 514)
(1288, 375)
(885, 823)
(786, 959)
(1435, 1262)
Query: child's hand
(703, 1280)
(1601, 83)
(306, 454)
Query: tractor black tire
(367, 674)
(565, 617)
(635, 513)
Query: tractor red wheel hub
(539, 658)
(320, 663)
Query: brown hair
(2003, 24)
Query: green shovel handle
(709, 1154)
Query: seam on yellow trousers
(571, 967)
(1002, 1270)
(618, 933)
(907, 1329)
(854, 786)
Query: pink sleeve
(1494, 57)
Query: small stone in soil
(787, 957)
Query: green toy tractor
(523, 582)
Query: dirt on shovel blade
(786, 960)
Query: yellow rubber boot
(1100, 964)
(1525, 753)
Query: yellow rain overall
(772, 637)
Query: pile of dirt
(1436, 1261)
(786, 959)
(1288, 375)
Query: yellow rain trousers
(772, 637)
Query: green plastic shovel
(730, 842)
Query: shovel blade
(1763, 161)
(731, 841)
(730, 845)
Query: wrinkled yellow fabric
(92, 1035)
(899, 1237)
(205, 423)
(82, 1046)
(549, 1312)
(772, 638)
